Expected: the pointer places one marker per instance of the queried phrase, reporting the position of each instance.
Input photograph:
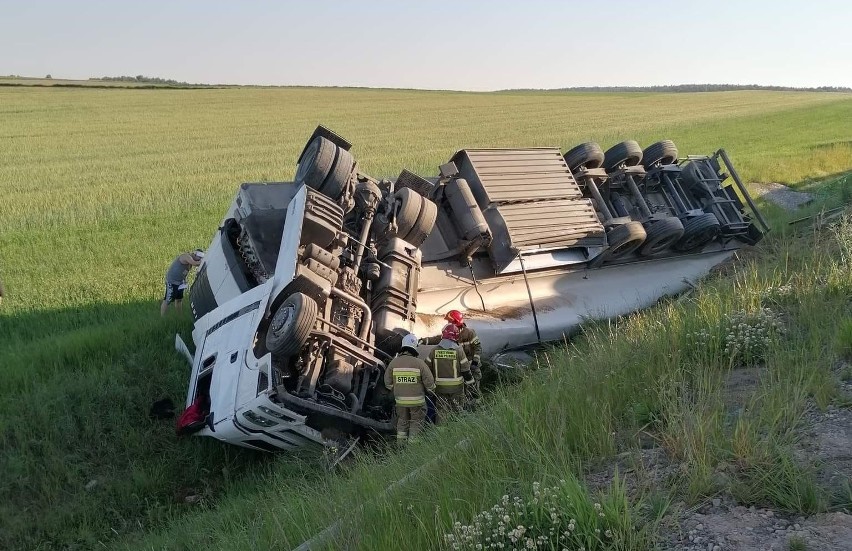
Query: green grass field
(102, 187)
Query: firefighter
(469, 342)
(410, 379)
(452, 374)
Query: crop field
(101, 188)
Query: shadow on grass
(82, 461)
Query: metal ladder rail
(736, 177)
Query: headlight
(272, 412)
(258, 420)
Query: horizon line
(173, 83)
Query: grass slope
(102, 187)
(661, 373)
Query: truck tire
(338, 178)
(662, 234)
(698, 231)
(588, 155)
(694, 172)
(291, 324)
(627, 153)
(663, 152)
(317, 163)
(424, 224)
(599, 260)
(407, 204)
(625, 238)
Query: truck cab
(284, 345)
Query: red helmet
(455, 317)
(450, 332)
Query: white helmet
(198, 253)
(410, 341)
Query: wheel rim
(625, 247)
(307, 159)
(664, 160)
(282, 317)
(700, 238)
(620, 163)
(632, 160)
(663, 244)
(397, 209)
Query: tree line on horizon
(147, 80)
(143, 79)
(690, 88)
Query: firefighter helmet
(450, 332)
(410, 341)
(455, 317)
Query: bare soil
(722, 524)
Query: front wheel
(291, 325)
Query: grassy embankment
(102, 187)
(663, 375)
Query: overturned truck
(308, 286)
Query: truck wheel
(424, 224)
(698, 231)
(599, 260)
(695, 172)
(625, 238)
(662, 234)
(407, 204)
(626, 153)
(663, 152)
(588, 155)
(338, 178)
(291, 324)
(316, 163)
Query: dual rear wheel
(325, 167)
(415, 216)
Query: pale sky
(437, 44)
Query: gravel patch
(730, 527)
(782, 195)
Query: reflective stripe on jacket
(407, 389)
(468, 340)
(410, 378)
(447, 362)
